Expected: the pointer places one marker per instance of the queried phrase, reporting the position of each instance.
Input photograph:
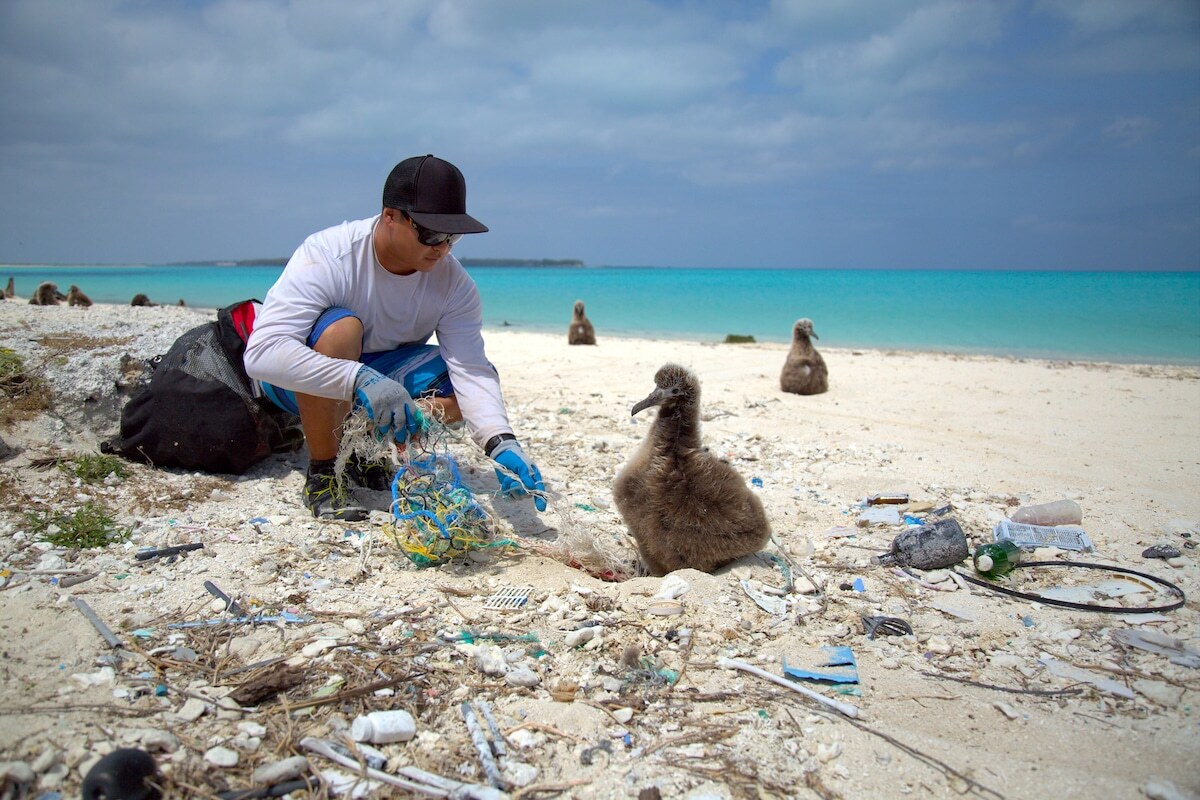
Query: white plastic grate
(1062, 536)
(508, 597)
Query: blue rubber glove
(509, 455)
(389, 404)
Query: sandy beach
(593, 694)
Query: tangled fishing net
(436, 517)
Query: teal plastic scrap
(471, 637)
(839, 667)
(285, 616)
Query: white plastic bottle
(1060, 512)
(384, 727)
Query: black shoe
(374, 475)
(329, 498)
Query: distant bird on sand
(141, 300)
(10, 291)
(685, 507)
(77, 298)
(581, 330)
(804, 371)
(47, 294)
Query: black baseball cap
(433, 192)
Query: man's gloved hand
(509, 455)
(389, 404)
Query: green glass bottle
(996, 559)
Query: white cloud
(1128, 131)
(926, 51)
(1117, 37)
(622, 77)
(1093, 17)
(679, 103)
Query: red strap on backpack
(242, 316)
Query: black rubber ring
(1037, 598)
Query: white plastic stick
(481, 744)
(100, 627)
(844, 708)
(441, 788)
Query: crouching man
(347, 325)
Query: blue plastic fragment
(257, 521)
(858, 585)
(841, 660)
(757, 482)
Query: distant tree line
(521, 262)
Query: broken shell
(665, 607)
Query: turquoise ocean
(1142, 317)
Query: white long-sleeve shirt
(337, 267)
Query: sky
(912, 134)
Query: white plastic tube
(843, 708)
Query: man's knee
(341, 339)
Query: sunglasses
(432, 238)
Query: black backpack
(198, 412)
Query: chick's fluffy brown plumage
(684, 507)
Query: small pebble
(1006, 710)
(18, 772)
(45, 761)
(1161, 551)
(191, 710)
(828, 752)
(939, 644)
(222, 757)
(281, 771)
(522, 676)
(576, 638)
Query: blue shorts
(418, 366)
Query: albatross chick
(804, 370)
(684, 507)
(47, 294)
(581, 330)
(75, 297)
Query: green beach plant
(88, 527)
(737, 338)
(93, 467)
(25, 393)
